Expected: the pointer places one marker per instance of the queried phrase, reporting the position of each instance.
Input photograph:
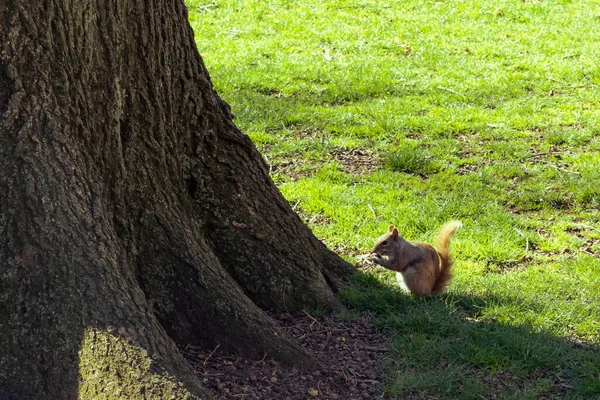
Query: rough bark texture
(134, 216)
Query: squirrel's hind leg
(419, 279)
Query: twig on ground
(262, 359)
(372, 210)
(209, 356)
(376, 349)
(559, 168)
(452, 91)
(587, 227)
(311, 317)
(208, 374)
(567, 86)
(556, 80)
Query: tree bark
(135, 218)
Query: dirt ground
(350, 351)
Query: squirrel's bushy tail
(442, 244)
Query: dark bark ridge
(134, 216)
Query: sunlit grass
(483, 112)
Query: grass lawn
(417, 112)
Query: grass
(415, 113)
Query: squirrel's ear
(391, 228)
(395, 233)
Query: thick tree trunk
(134, 216)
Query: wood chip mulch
(350, 353)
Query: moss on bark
(113, 368)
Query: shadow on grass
(438, 347)
(347, 112)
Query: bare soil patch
(357, 161)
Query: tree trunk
(134, 216)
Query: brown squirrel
(424, 269)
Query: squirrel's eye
(384, 242)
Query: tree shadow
(441, 346)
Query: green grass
(483, 112)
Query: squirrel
(424, 269)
